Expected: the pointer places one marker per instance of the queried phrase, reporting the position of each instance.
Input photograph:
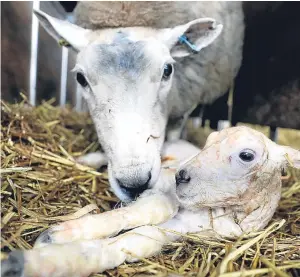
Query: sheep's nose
(182, 177)
(135, 189)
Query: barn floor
(41, 185)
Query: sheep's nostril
(135, 189)
(182, 177)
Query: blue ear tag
(183, 39)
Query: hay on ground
(41, 185)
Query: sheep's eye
(81, 80)
(247, 156)
(168, 69)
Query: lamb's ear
(292, 156)
(66, 33)
(189, 38)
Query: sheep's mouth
(133, 193)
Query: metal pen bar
(63, 76)
(78, 105)
(34, 55)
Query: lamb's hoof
(44, 239)
(14, 265)
(295, 272)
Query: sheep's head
(125, 75)
(236, 166)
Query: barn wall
(267, 90)
(16, 18)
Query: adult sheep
(127, 74)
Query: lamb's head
(236, 166)
(125, 75)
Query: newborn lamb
(229, 187)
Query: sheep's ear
(184, 40)
(292, 156)
(66, 33)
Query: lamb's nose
(182, 177)
(135, 189)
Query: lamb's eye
(168, 69)
(247, 155)
(81, 80)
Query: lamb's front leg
(94, 160)
(153, 207)
(83, 258)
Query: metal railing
(34, 64)
(34, 54)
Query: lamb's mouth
(183, 197)
(187, 202)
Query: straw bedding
(41, 184)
